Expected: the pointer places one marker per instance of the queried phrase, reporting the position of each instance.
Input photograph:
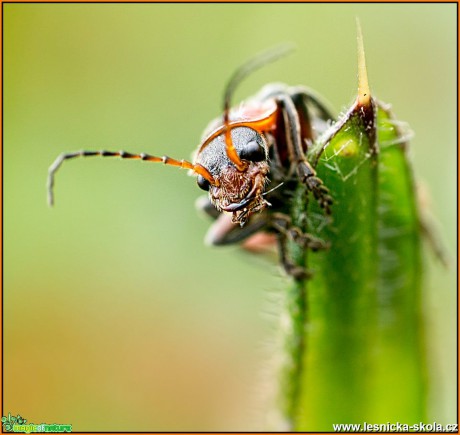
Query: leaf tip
(364, 93)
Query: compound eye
(253, 152)
(202, 183)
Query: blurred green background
(116, 316)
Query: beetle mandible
(249, 160)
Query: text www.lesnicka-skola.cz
(395, 427)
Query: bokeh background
(116, 317)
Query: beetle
(249, 161)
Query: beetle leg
(252, 236)
(282, 223)
(297, 272)
(305, 171)
(205, 205)
(321, 193)
(323, 108)
(224, 232)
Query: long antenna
(238, 76)
(199, 169)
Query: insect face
(236, 190)
(232, 163)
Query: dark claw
(297, 272)
(320, 192)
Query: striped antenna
(184, 164)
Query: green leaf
(353, 334)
